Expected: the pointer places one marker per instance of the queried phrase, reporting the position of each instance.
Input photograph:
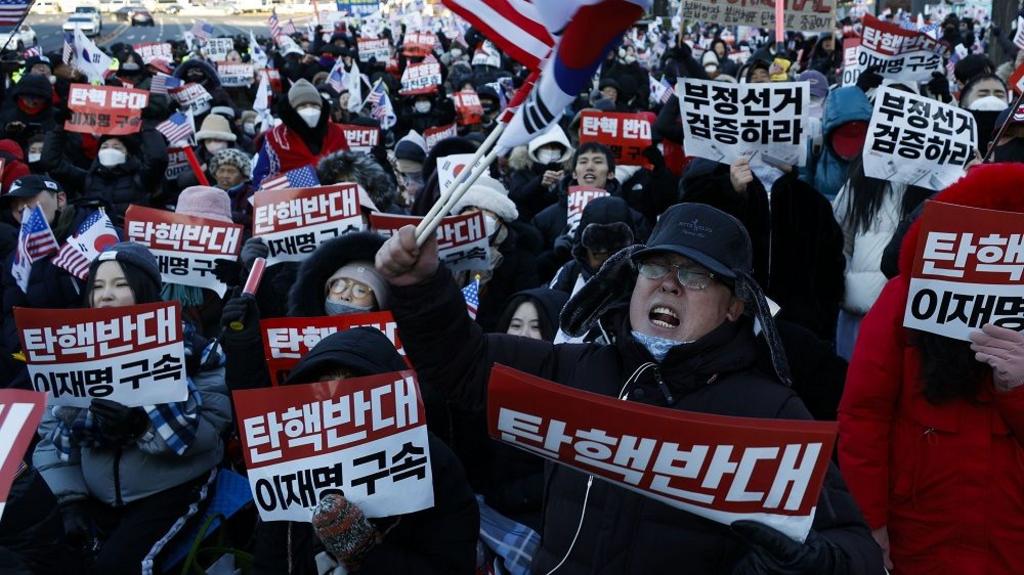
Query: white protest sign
(150, 51)
(723, 122)
(462, 242)
(193, 97)
(578, 198)
(217, 48)
(236, 75)
(918, 141)
(449, 168)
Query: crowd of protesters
(929, 473)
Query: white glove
(1003, 349)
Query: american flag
(161, 83)
(515, 27)
(177, 128)
(304, 177)
(94, 234)
(381, 109)
(12, 12)
(32, 52)
(201, 30)
(288, 28)
(338, 76)
(471, 294)
(35, 241)
(69, 47)
(275, 25)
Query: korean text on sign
(373, 48)
(918, 141)
(361, 138)
(364, 437)
(150, 51)
(720, 468)
(187, 248)
(898, 53)
(294, 221)
(106, 110)
(461, 240)
(236, 75)
(287, 339)
(723, 122)
(808, 16)
(627, 135)
(578, 198)
(132, 355)
(968, 271)
(422, 78)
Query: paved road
(50, 36)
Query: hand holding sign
(1003, 349)
(403, 263)
(774, 552)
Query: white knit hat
(215, 127)
(488, 194)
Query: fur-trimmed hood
(306, 298)
(362, 169)
(989, 186)
(519, 159)
(554, 135)
(212, 78)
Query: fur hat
(488, 194)
(302, 92)
(361, 169)
(216, 127)
(231, 157)
(204, 202)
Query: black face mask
(986, 128)
(1012, 151)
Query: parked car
(23, 37)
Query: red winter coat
(947, 480)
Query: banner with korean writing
(578, 198)
(851, 65)
(193, 97)
(918, 141)
(422, 78)
(361, 138)
(431, 136)
(294, 221)
(468, 108)
(461, 240)
(20, 413)
(150, 51)
(217, 49)
(723, 122)
(899, 54)
(287, 339)
(627, 135)
(374, 48)
(133, 355)
(364, 437)
(187, 248)
(717, 467)
(968, 271)
(358, 7)
(803, 15)
(177, 164)
(105, 110)
(419, 43)
(236, 75)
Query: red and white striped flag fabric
(513, 25)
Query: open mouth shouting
(663, 317)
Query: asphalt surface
(50, 36)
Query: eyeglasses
(689, 277)
(341, 285)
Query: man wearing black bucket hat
(685, 341)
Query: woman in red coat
(931, 429)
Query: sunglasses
(689, 277)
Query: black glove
(118, 422)
(77, 525)
(252, 248)
(775, 553)
(158, 108)
(938, 87)
(653, 155)
(240, 310)
(227, 271)
(563, 247)
(997, 32)
(869, 78)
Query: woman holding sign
(931, 429)
(128, 479)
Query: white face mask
(310, 115)
(490, 225)
(111, 157)
(53, 79)
(548, 156)
(214, 147)
(422, 107)
(250, 129)
(629, 59)
(988, 104)
(34, 157)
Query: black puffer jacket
(439, 540)
(625, 533)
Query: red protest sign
(424, 78)
(192, 97)
(361, 138)
(419, 44)
(467, 105)
(20, 413)
(186, 247)
(462, 240)
(105, 110)
(627, 135)
(274, 77)
(851, 65)
(294, 221)
(133, 355)
(365, 437)
(434, 135)
(287, 339)
(578, 198)
(721, 468)
(968, 271)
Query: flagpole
(467, 178)
(20, 22)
